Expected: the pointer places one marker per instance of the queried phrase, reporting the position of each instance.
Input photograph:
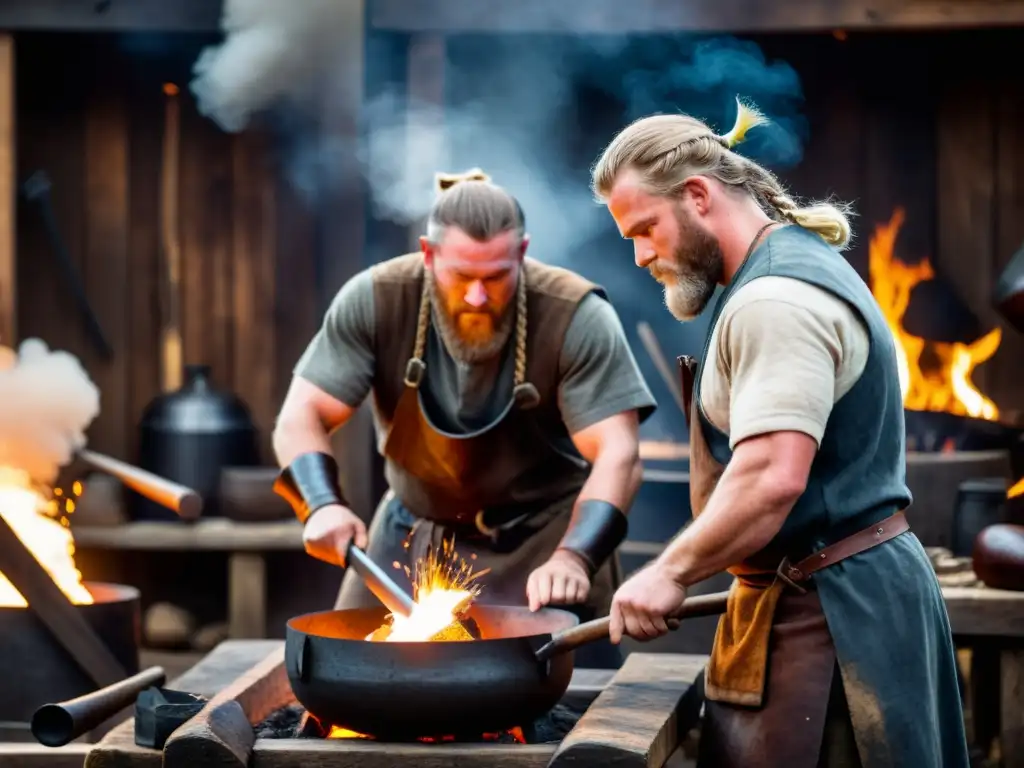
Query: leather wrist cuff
(309, 483)
(595, 531)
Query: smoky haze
(512, 106)
(533, 111)
(47, 402)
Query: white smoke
(47, 402)
(274, 51)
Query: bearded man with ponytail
(506, 401)
(836, 648)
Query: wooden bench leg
(247, 596)
(1011, 736)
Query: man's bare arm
(306, 420)
(612, 446)
(764, 479)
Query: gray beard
(687, 297)
(459, 348)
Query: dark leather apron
(799, 718)
(474, 469)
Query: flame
(934, 375)
(516, 734)
(1017, 489)
(44, 529)
(443, 587)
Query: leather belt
(863, 540)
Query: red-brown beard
(479, 346)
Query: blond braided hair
(666, 150)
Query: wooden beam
(29, 755)
(224, 728)
(8, 195)
(217, 670)
(111, 15)
(634, 722)
(614, 17)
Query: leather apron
(772, 687)
(508, 542)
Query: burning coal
(47, 401)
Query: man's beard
(468, 349)
(697, 268)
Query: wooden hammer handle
(183, 500)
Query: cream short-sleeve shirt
(782, 354)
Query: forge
(956, 433)
(634, 716)
(37, 669)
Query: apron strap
(525, 394)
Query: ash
(555, 725)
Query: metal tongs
(378, 582)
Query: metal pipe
(55, 725)
(378, 582)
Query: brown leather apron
(774, 697)
(509, 542)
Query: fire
(934, 375)
(443, 588)
(1017, 489)
(43, 528)
(516, 734)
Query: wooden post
(8, 195)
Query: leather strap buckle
(790, 574)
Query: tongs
(383, 587)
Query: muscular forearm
(297, 433)
(615, 477)
(746, 509)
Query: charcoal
(291, 722)
(281, 723)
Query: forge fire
(43, 526)
(934, 375)
(444, 586)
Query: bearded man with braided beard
(835, 649)
(506, 401)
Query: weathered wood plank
(981, 611)
(1011, 730)
(37, 756)
(143, 289)
(116, 16)
(106, 258)
(357, 753)
(217, 670)
(966, 198)
(612, 17)
(1006, 368)
(8, 196)
(253, 242)
(634, 721)
(222, 732)
(209, 534)
(206, 238)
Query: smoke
(47, 401)
(533, 111)
(512, 107)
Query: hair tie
(747, 117)
(445, 181)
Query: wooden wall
(927, 121)
(930, 122)
(90, 113)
